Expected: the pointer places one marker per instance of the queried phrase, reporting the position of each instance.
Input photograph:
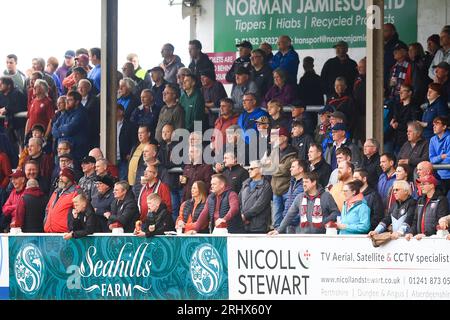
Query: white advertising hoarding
(309, 267)
(4, 268)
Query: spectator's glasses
(251, 169)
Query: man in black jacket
(391, 39)
(261, 71)
(92, 104)
(431, 207)
(12, 101)
(126, 132)
(245, 49)
(318, 163)
(311, 88)
(158, 221)
(339, 66)
(233, 172)
(84, 221)
(200, 61)
(371, 161)
(372, 198)
(124, 211)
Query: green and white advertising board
(312, 24)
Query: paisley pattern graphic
(29, 269)
(123, 268)
(206, 269)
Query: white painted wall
(432, 16)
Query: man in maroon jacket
(195, 171)
(221, 209)
(9, 209)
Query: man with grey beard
(59, 207)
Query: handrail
(315, 109)
(22, 114)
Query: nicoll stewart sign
(128, 267)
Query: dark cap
(157, 69)
(339, 115)
(69, 54)
(17, 174)
(341, 44)
(107, 179)
(326, 109)
(65, 156)
(68, 173)
(400, 46)
(339, 127)
(245, 44)
(443, 65)
(243, 70)
(88, 159)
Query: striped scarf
(316, 216)
(399, 71)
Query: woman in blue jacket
(355, 213)
(437, 106)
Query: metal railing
(315, 109)
(17, 115)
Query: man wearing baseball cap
(59, 207)
(87, 181)
(9, 209)
(69, 62)
(245, 50)
(431, 207)
(338, 132)
(339, 66)
(442, 71)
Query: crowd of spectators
(309, 173)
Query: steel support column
(375, 71)
(108, 92)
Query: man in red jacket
(59, 207)
(18, 180)
(152, 185)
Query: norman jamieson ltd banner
(220, 268)
(312, 24)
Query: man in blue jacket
(247, 120)
(440, 149)
(286, 59)
(72, 126)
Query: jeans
(175, 197)
(277, 209)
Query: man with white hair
(30, 209)
(254, 199)
(401, 213)
(9, 209)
